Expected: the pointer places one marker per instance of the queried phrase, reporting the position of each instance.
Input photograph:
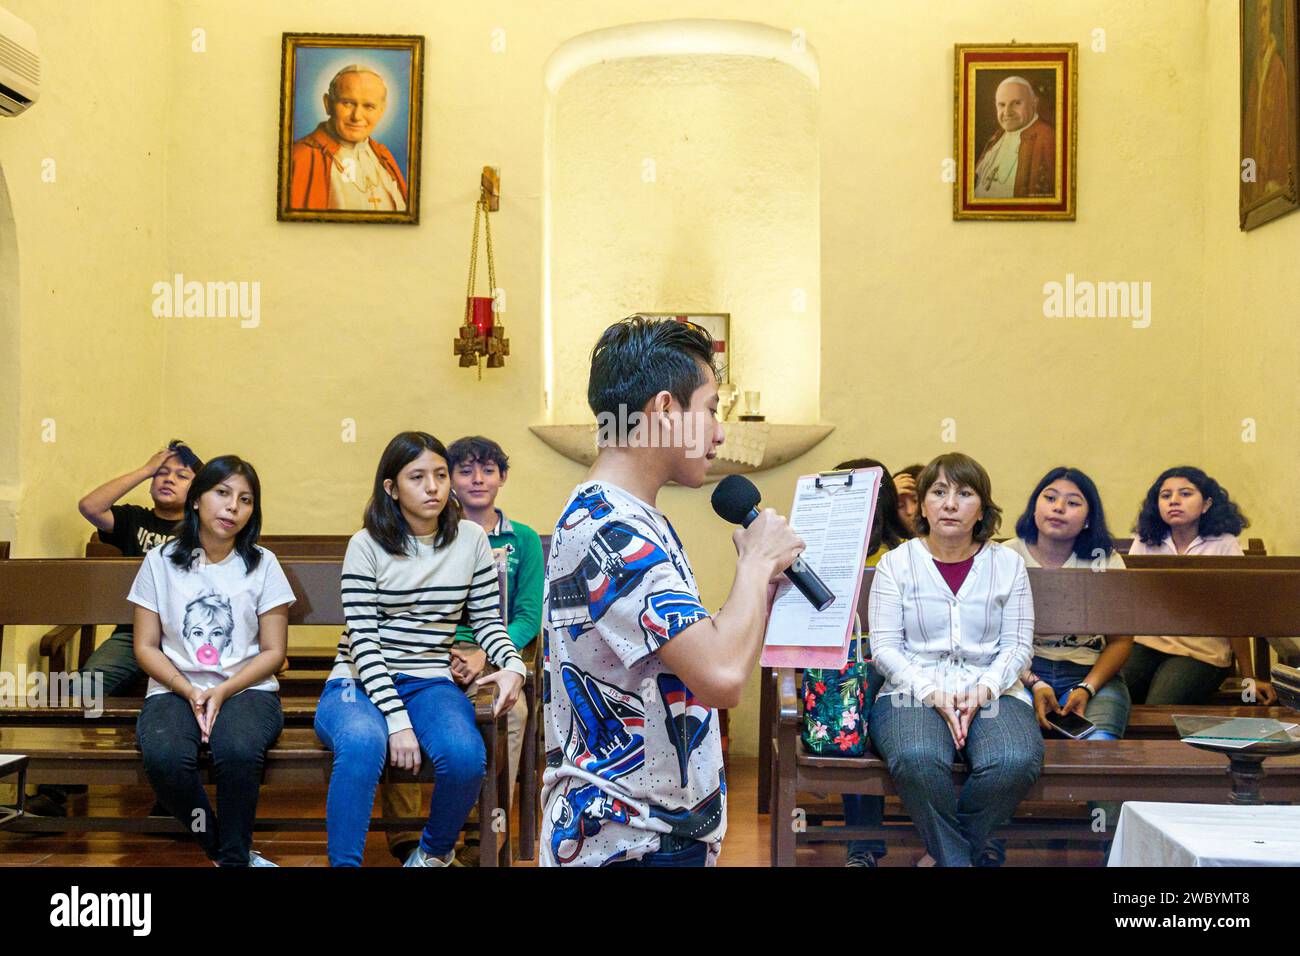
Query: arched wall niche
(682, 175)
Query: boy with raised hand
(133, 530)
(635, 665)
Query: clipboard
(833, 512)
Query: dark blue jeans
(1004, 751)
(169, 738)
(351, 726)
(864, 811)
(681, 853)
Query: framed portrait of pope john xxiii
(1014, 130)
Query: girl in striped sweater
(408, 578)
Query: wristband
(1084, 685)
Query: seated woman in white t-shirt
(1064, 526)
(211, 626)
(1187, 512)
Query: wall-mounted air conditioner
(20, 65)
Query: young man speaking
(635, 666)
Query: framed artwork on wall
(1269, 116)
(1014, 130)
(350, 115)
(717, 324)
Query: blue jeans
(861, 810)
(1004, 752)
(1109, 709)
(682, 853)
(169, 739)
(354, 729)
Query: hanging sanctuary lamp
(481, 337)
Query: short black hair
(1095, 534)
(1224, 516)
(638, 357)
(476, 448)
(185, 454)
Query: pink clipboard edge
(826, 657)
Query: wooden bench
(307, 667)
(70, 592)
(1221, 603)
(1254, 559)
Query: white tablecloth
(1199, 834)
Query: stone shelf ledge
(749, 447)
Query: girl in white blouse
(952, 627)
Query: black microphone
(736, 500)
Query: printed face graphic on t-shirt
(209, 624)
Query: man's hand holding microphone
(717, 655)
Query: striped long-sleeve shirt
(925, 638)
(402, 612)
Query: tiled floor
(746, 842)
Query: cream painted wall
(1251, 348)
(923, 319)
(689, 183)
(89, 352)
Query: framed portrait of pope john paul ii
(350, 116)
(1269, 111)
(1014, 130)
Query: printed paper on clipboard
(833, 513)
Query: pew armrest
(57, 639)
(787, 697)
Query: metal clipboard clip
(834, 476)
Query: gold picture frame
(1270, 123)
(354, 156)
(1038, 179)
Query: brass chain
(481, 207)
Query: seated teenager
(211, 626)
(1064, 526)
(905, 492)
(888, 531)
(1188, 512)
(408, 576)
(479, 469)
(133, 530)
(952, 628)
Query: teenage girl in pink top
(1188, 512)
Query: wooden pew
(1254, 547)
(71, 591)
(1220, 603)
(307, 666)
(1254, 558)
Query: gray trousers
(1004, 751)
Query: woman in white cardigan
(952, 627)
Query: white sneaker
(256, 859)
(419, 858)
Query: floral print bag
(834, 705)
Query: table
(1197, 834)
(11, 764)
